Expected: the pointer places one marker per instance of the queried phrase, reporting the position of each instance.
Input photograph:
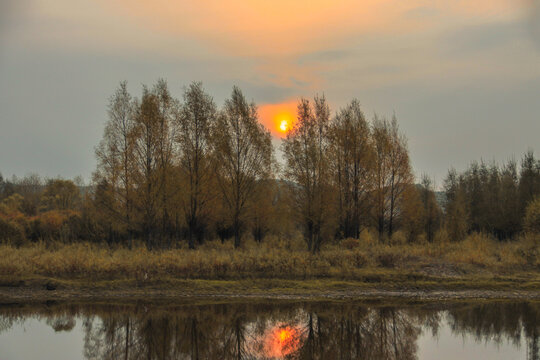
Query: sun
(283, 121)
(283, 125)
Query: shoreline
(48, 289)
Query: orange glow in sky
(278, 118)
(249, 27)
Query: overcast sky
(463, 77)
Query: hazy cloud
(479, 38)
(458, 74)
(324, 56)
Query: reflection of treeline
(498, 322)
(181, 171)
(331, 330)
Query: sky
(462, 76)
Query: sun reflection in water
(281, 341)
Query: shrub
(295, 242)
(387, 259)
(11, 233)
(421, 239)
(476, 249)
(350, 243)
(217, 245)
(398, 238)
(367, 238)
(441, 236)
(360, 259)
(248, 242)
(274, 242)
(532, 217)
(50, 224)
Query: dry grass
(275, 258)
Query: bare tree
(115, 155)
(431, 210)
(244, 154)
(167, 112)
(392, 172)
(351, 152)
(197, 117)
(306, 156)
(147, 162)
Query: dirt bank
(46, 289)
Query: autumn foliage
(174, 173)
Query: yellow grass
(276, 258)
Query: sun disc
(283, 125)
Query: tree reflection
(299, 331)
(498, 322)
(359, 333)
(61, 323)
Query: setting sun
(284, 125)
(283, 120)
(278, 118)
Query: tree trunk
(236, 225)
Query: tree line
(499, 200)
(183, 171)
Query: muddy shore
(40, 290)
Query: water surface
(271, 330)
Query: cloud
(61, 59)
(324, 56)
(534, 20)
(480, 38)
(423, 12)
(284, 27)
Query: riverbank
(50, 289)
(478, 267)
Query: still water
(271, 330)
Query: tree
(351, 164)
(263, 209)
(431, 210)
(529, 180)
(508, 211)
(305, 150)
(30, 188)
(382, 148)
(167, 112)
(532, 216)
(413, 213)
(147, 131)
(196, 119)
(116, 158)
(244, 155)
(400, 172)
(392, 172)
(492, 198)
(456, 208)
(60, 195)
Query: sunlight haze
(462, 77)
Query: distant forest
(178, 172)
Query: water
(271, 330)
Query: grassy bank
(476, 262)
